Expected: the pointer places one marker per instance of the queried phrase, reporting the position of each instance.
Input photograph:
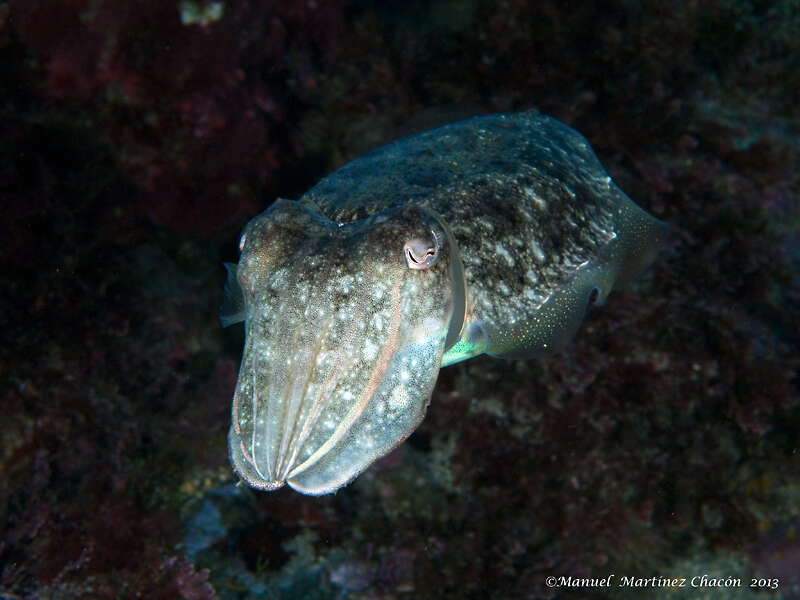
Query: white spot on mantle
(537, 251)
(501, 250)
(537, 199)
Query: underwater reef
(136, 139)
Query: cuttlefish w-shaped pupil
(421, 254)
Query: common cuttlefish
(490, 235)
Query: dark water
(136, 139)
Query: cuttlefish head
(346, 325)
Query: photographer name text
(657, 581)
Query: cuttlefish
(490, 235)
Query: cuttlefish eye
(422, 253)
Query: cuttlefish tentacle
(253, 456)
(291, 399)
(376, 375)
(318, 400)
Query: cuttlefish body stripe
(491, 235)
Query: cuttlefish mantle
(490, 235)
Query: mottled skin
(487, 235)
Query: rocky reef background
(136, 138)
